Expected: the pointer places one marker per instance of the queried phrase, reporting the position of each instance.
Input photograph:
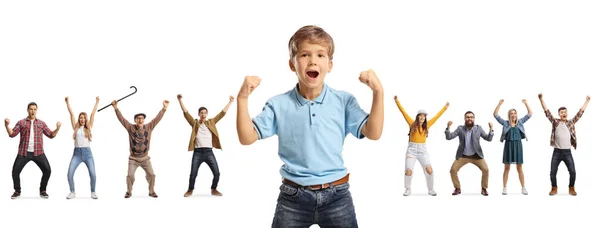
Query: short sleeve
(265, 123)
(356, 117)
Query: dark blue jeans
(562, 155)
(204, 155)
(301, 208)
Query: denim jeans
(41, 161)
(562, 155)
(82, 154)
(301, 207)
(204, 155)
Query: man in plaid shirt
(563, 137)
(31, 147)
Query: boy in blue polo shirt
(312, 121)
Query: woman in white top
(82, 153)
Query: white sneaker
(71, 195)
(94, 196)
(524, 191)
(504, 191)
(407, 192)
(432, 192)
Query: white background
(470, 53)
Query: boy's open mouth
(312, 74)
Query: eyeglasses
(469, 117)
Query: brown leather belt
(319, 186)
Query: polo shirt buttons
(312, 103)
(313, 114)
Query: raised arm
(159, 116)
(373, 128)
(438, 115)
(91, 124)
(73, 122)
(245, 127)
(228, 104)
(120, 117)
(408, 119)
(488, 136)
(528, 108)
(450, 135)
(498, 107)
(179, 97)
(546, 111)
(12, 132)
(224, 111)
(587, 100)
(186, 114)
(580, 113)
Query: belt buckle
(318, 187)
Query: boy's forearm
(245, 129)
(374, 126)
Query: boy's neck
(310, 94)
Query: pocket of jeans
(289, 191)
(342, 188)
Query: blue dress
(513, 147)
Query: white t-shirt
(203, 137)
(80, 139)
(31, 143)
(562, 136)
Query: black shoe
(15, 195)
(44, 195)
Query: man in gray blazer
(469, 150)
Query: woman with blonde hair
(513, 131)
(82, 153)
(417, 149)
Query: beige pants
(462, 161)
(144, 162)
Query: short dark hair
(139, 114)
(469, 112)
(562, 108)
(202, 108)
(30, 104)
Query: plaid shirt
(23, 127)
(570, 124)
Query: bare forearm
(245, 129)
(182, 106)
(528, 109)
(227, 107)
(374, 126)
(497, 109)
(55, 132)
(9, 131)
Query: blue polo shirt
(311, 134)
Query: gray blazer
(461, 132)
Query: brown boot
(572, 191)
(188, 193)
(214, 192)
(553, 191)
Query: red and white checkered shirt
(23, 127)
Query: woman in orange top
(417, 149)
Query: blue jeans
(301, 207)
(204, 155)
(562, 155)
(82, 154)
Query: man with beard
(469, 150)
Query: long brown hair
(86, 130)
(414, 127)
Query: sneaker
(214, 192)
(71, 195)
(15, 195)
(44, 195)
(94, 196)
(504, 191)
(432, 192)
(407, 192)
(524, 191)
(188, 193)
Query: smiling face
(311, 64)
(512, 115)
(562, 112)
(469, 119)
(82, 119)
(421, 118)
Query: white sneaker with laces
(432, 192)
(504, 191)
(524, 191)
(407, 192)
(71, 195)
(94, 196)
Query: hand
(165, 104)
(587, 98)
(179, 96)
(97, 99)
(231, 98)
(250, 83)
(540, 95)
(58, 125)
(501, 101)
(395, 97)
(447, 104)
(490, 123)
(67, 99)
(370, 79)
(449, 124)
(114, 104)
(6, 122)
(524, 101)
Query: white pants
(414, 152)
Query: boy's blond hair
(312, 34)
